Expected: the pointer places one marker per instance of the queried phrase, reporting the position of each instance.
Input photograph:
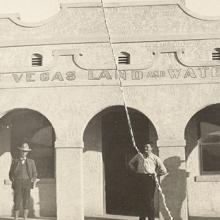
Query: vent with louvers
(216, 54)
(37, 59)
(124, 58)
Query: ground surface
(109, 217)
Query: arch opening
(202, 135)
(25, 125)
(202, 126)
(110, 186)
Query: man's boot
(151, 218)
(25, 214)
(16, 214)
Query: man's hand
(34, 182)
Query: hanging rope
(128, 116)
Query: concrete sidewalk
(114, 217)
(20, 218)
(108, 217)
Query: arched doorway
(26, 125)
(109, 185)
(202, 136)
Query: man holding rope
(147, 166)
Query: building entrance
(110, 186)
(120, 181)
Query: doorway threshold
(112, 217)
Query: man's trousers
(22, 189)
(146, 186)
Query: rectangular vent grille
(216, 56)
(124, 59)
(37, 61)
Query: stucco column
(174, 183)
(69, 183)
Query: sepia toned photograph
(110, 109)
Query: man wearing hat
(147, 166)
(23, 175)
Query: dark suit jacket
(31, 169)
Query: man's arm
(11, 171)
(161, 169)
(34, 172)
(132, 163)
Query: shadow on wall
(192, 135)
(174, 187)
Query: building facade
(60, 91)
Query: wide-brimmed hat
(24, 147)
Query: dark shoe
(142, 218)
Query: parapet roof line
(8, 16)
(161, 3)
(15, 17)
(141, 3)
(81, 5)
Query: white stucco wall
(170, 78)
(93, 171)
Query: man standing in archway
(147, 165)
(23, 175)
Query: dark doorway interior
(32, 127)
(120, 182)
